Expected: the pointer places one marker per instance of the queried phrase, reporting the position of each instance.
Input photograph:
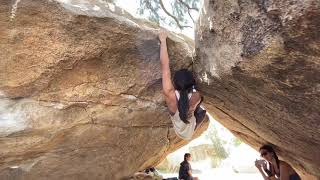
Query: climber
(182, 99)
(272, 166)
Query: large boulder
(81, 92)
(258, 62)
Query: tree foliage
(218, 144)
(236, 142)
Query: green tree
(180, 14)
(218, 144)
(236, 142)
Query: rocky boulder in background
(258, 62)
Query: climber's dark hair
(186, 155)
(270, 149)
(183, 82)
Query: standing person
(181, 97)
(273, 167)
(185, 171)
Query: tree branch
(172, 16)
(189, 8)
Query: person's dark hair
(270, 149)
(183, 82)
(186, 155)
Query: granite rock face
(81, 92)
(258, 63)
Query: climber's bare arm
(168, 89)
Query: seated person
(185, 171)
(273, 167)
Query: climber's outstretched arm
(167, 85)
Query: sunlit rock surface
(81, 92)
